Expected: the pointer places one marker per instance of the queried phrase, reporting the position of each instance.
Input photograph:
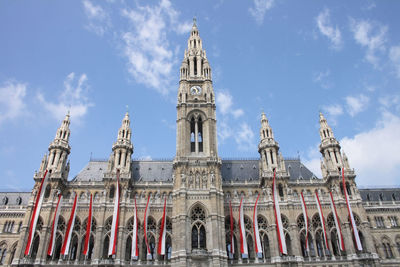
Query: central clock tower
(197, 167)
(196, 123)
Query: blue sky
(290, 59)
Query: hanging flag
(70, 228)
(278, 219)
(161, 240)
(35, 213)
(256, 232)
(54, 227)
(305, 215)
(353, 222)
(146, 215)
(88, 229)
(242, 230)
(321, 217)
(112, 247)
(135, 245)
(337, 223)
(232, 248)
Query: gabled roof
(161, 170)
(14, 198)
(380, 194)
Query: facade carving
(199, 187)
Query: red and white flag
(88, 228)
(54, 226)
(337, 223)
(242, 231)
(278, 219)
(112, 247)
(35, 213)
(352, 221)
(321, 217)
(232, 248)
(70, 228)
(305, 215)
(146, 215)
(161, 240)
(135, 245)
(257, 241)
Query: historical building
(200, 187)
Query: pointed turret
(265, 130)
(195, 64)
(122, 149)
(59, 150)
(329, 147)
(325, 131)
(268, 147)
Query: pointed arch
(198, 229)
(35, 245)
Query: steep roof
(380, 194)
(14, 198)
(161, 170)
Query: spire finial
(194, 21)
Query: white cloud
(237, 113)
(313, 160)
(356, 104)
(322, 78)
(99, 21)
(151, 57)
(224, 102)
(373, 153)
(12, 103)
(390, 101)
(328, 30)
(334, 110)
(74, 98)
(370, 35)
(394, 56)
(260, 8)
(224, 131)
(244, 138)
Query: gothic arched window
(319, 241)
(107, 233)
(335, 243)
(112, 191)
(198, 228)
(192, 135)
(47, 192)
(200, 134)
(74, 247)
(35, 246)
(91, 239)
(3, 253)
(12, 254)
(280, 190)
(58, 246)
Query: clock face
(195, 90)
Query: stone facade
(199, 186)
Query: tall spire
(269, 148)
(122, 149)
(195, 64)
(265, 130)
(325, 130)
(59, 148)
(329, 147)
